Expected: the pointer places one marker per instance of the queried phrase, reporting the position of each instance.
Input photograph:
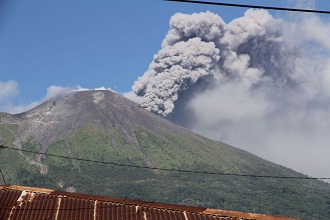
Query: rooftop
(20, 203)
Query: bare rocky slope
(104, 126)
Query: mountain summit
(125, 139)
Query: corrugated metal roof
(27, 203)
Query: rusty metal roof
(27, 203)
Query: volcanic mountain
(102, 143)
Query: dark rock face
(65, 114)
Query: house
(28, 203)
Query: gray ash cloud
(203, 48)
(258, 82)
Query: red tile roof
(27, 203)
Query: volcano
(99, 142)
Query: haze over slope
(106, 127)
(258, 83)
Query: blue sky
(87, 43)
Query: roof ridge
(138, 203)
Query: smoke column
(258, 83)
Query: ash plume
(202, 48)
(258, 82)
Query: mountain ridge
(105, 126)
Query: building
(27, 203)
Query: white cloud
(7, 98)
(8, 90)
(104, 88)
(53, 91)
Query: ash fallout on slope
(259, 83)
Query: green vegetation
(91, 142)
(7, 133)
(306, 199)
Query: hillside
(104, 126)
